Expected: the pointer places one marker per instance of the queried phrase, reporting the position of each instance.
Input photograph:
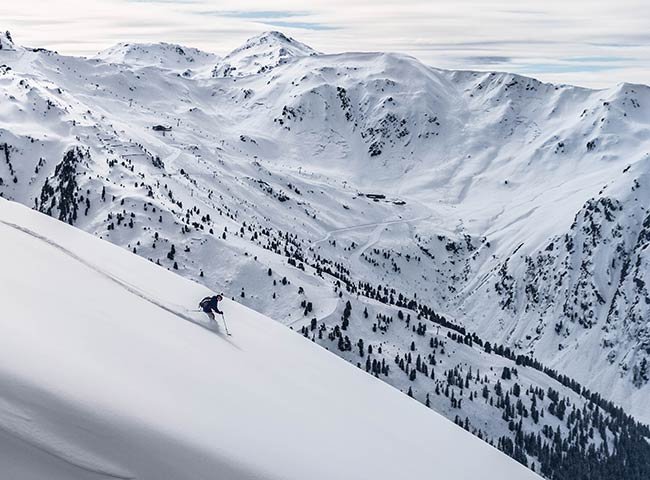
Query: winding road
(374, 237)
(378, 226)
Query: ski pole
(223, 317)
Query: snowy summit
(261, 54)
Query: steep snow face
(162, 55)
(261, 54)
(585, 290)
(106, 371)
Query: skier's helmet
(219, 297)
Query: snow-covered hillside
(298, 182)
(261, 54)
(107, 372)
(161, 55)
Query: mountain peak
(262, 53)
(272, 34)
(275, 39)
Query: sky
(593, 43)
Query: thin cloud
(540, 68)
(300, 25)
(585, 42)
(597, 58)
(255, 14)
(485, 60)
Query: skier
(210, 305)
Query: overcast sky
(593, 43)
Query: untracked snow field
(107, 372)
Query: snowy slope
(261, 54)
(161, 55)
(301, 181)
(107, 373)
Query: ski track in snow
(372, 239)
(127, 286)
(330, 233)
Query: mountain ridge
(368, 179)
(261, 54)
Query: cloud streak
(591, 43)
(255, 14)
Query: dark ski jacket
(210, 304)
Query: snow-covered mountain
(261, 54)
(161, 55)
(108, 373)
(487, 207)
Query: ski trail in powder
(127, 286)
